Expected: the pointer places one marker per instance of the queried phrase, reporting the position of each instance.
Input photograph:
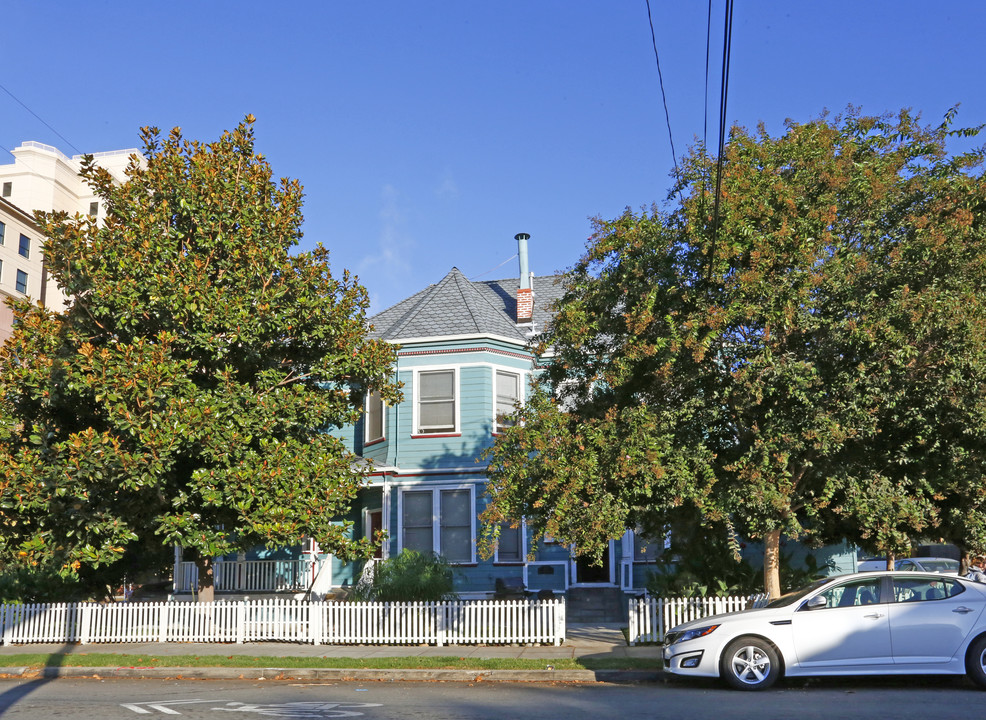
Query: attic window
(7, 189)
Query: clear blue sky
(427, 133)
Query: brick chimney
(525, 294)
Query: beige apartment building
(41, 178)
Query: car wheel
(750, 663)
(975, 661)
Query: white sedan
(862, 624)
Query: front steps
(592, 605)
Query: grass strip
(382, 663)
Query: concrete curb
(337, 674)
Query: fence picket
(651, 618)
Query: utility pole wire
(723, 94)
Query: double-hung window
(440, 521)
(510, 544)
(436, 411)
(3, 229)
(373, 419)
(21, 283)
(25, 247)
(507, 397)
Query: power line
(474, 277)
(77, 151)
(723, 94)
(660, 76)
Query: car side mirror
(816, 602)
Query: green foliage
(408, 577)
(701, 561)
(39, 584)
(183, 395)
(810, 363)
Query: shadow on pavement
(12, 696)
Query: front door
(586, 573)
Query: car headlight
(695, 633)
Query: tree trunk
(891, 560)
(772, 564)
(207, 591)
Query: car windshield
(793, 597)
(940, 565)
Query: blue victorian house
(464, 361)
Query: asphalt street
(940, 698)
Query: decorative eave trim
(456, 351)
(449, 338)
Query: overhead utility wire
(664, 97)
(77, 151)
(705, 117)
(723, 94)
(474, 277)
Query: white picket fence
(651, 617)
(250, 575)
(448, 623)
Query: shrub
(408, 577)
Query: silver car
(870, 623)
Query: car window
(940, 565)
(795, 596)
(906, 565)
(916, 589)
(850, 594)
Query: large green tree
(803, 357)
(186, 393)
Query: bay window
(435, 408)
(440, 521)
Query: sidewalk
(582, 641)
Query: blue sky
(427, 133)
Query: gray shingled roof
(457, 306)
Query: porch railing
(250, 575)
(449, 623)
(651, 617)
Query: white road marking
(300, 709)
(160, 706)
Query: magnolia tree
(805, 357)
(185, 395)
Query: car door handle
(874, 616)
(963, 610)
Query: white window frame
(17, 282)
(522, 547)
(456, 400)
(521, 391)
(24, 247)
(374, 397)
(436, 525)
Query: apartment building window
(7, 188)
(373, 418)
(25, 246)
(439, 521)
(3, 229)
(436, 402)
(510, 544)
(507, 396)
(21, 283)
